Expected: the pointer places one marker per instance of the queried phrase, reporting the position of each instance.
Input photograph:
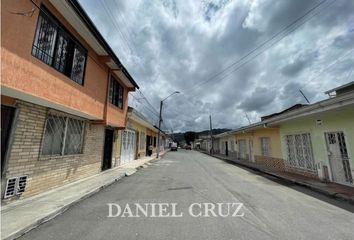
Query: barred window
(265, 146)
(299, 150)
(54, 45)
(116, 92)
(62, 136)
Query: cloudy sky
(228, 58)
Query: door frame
(227, 148)
(330, 161)
(104, 149)
(10, 140)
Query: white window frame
(265, 147)
(62, 152)
(300, 150)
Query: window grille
(62, 136)
(54, 45)
(116, 92)
(299, 151)
(265, 146)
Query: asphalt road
(272, 210)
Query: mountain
(179, 137)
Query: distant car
(188, 147)
(174, 146)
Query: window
(300, 151)
(265, 146)
(62, 136)
(116, 92)
(56, 47)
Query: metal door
(338, 157)
(128, 146)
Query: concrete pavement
(334, 190)
(272, 210)
(23, 215)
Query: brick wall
(49, 172)
(270, 162)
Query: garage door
(128, 146)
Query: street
(272, 210)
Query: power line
(115, 24)
(292, 24)
(148, 108)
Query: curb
(335, 195)
(61, 210)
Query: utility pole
(211, 136)
(160, 120)
(159, 132)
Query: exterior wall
(115, 115)
(337, 120)
(116, 150)
(273, 161)
(152, 134)
(25, 73)
(45, 173)
(141, 150)
(247, 137)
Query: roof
(296, 106)
(295, 111)
(73, 12)
(138, 117)
(350, 84)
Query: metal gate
(338, 158)
(128, 146)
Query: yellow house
(255, 143)
(137, 137)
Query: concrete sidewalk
(23, 215)
(333, 190)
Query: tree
(190, 137)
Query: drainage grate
(15, 186)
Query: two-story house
(64, 96)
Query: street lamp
(160, 120)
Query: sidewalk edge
(61, 210)
(335, 195)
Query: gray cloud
(295, 67)
(258, 100)
(173, 45)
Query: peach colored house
(64, 97)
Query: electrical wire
(238, 64)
